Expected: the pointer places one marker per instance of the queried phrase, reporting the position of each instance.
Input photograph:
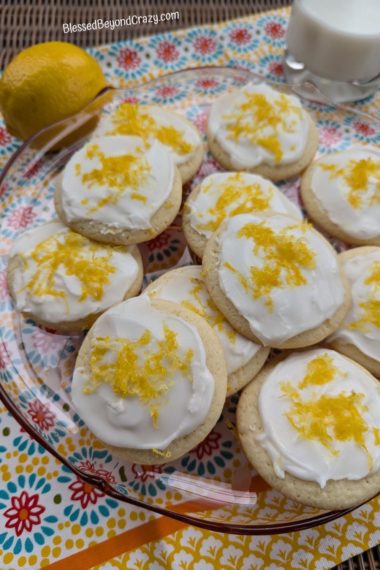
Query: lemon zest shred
(328, 418)
(370, 309)
(236, 198)
(320, 370)
(87, 261)
(117, 174)
(142, 368)
(133, 119)
(285, 256)
(358, 174)
(256, 114)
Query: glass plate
(213, 485)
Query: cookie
(341, 193)
(186, 287)
(260, 130)
(116, 190)
(152, 122)
(276, 280)
(226, 194)
(359, 335)
(150, 380)
(310, 425)
(65, 281)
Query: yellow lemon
(46, 83)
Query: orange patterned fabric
(113, 534)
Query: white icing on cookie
(62, 276)
(320, 414)
(187, 288)
(361, 326)
(148, 382)
(258, 125)
(226, 194)
(117, 181)
(152, 123)
(280, 274)
(347, 187)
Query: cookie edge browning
(189, 168)
(237, 320)
(215, 364)
(247, 373)
(319, 215)
(273, 173)
(347, 348)
(75, 325)
(104, 233)
(341, 494)
(195, 240)
(241, 376)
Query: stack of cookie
(153, 372)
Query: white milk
(336, 39)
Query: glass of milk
(335, 45)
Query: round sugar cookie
(359, 335)
(310, 425)
(261, 130)
(150, 380)
(152, 122)
(277, 280)
(63, 280)
(226, 194)
(341, 193)
(118, 190)
(186, 287)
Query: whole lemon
(46, 83)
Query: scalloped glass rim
(72, 123)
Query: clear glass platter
(212, 486)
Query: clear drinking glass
(335, 46)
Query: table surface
(24, 23)
(119, 536)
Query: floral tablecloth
(49, 517)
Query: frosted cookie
(277, 281)
(310, 425)
(117, 190)
(150, 380)
(65, 281)
(226, 194)
(341, 193)
(151, 122)
(185, 286)
(261, 130)
(359, 335)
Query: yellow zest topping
(142, 368)
(132, 119)
(208, 310)
(358, 175)
(77, 256)
(371, 308)
(117, 174)
(284, 258)
(260, 121)
(320, 370)
(170, 136)
(376, 435)
(235, 198)
(328, 418)
(205, 308)
(137, 196)
(161, 453)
